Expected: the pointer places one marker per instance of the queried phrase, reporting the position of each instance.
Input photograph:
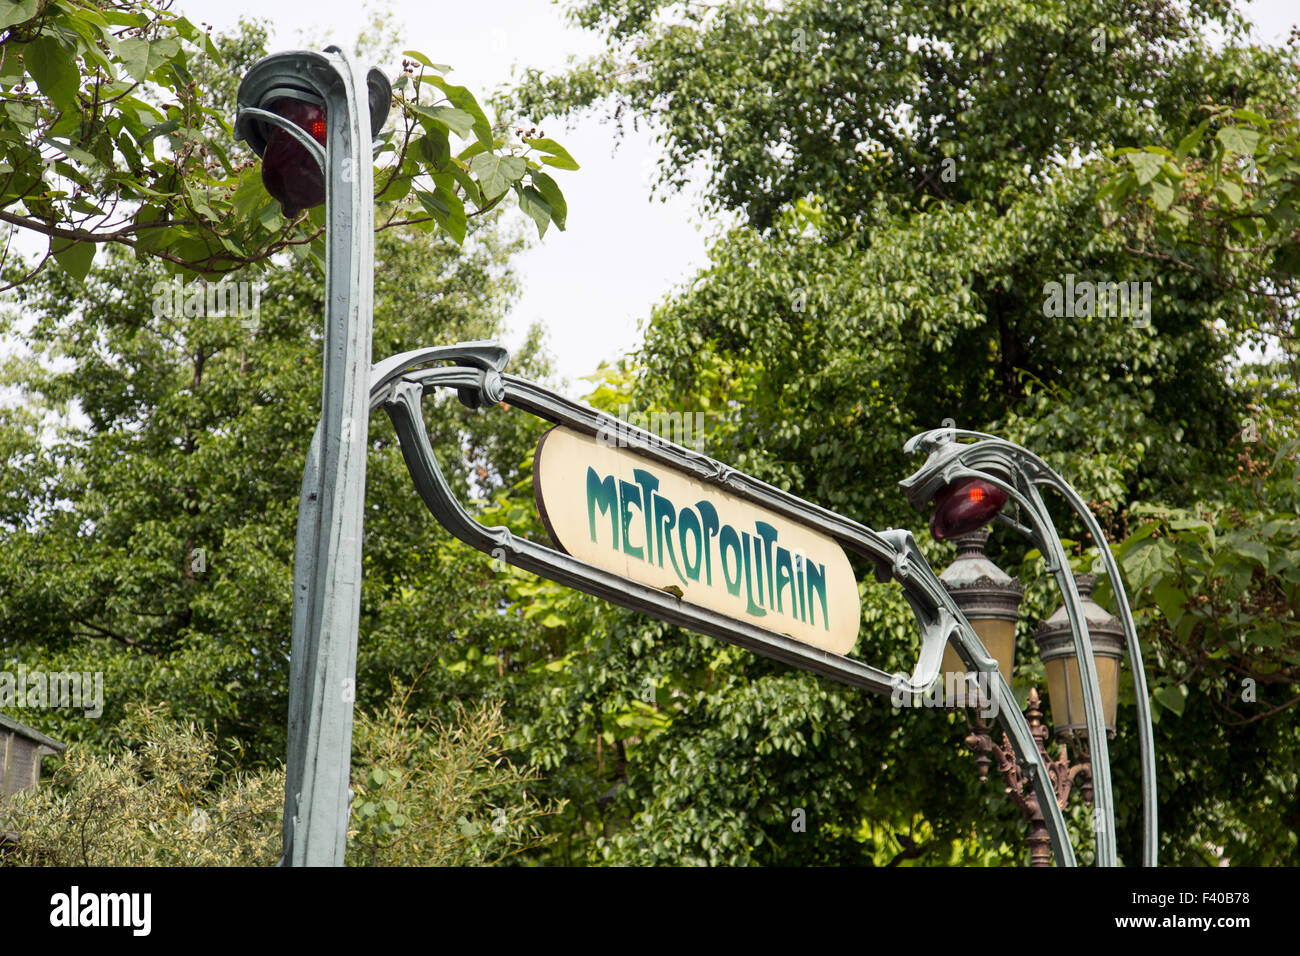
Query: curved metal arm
(1146, 736)
(316, 150)
(401, 398)
(399, 384)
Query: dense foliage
(161, 798)
(912, 179)
(903, 183)
(117, 128)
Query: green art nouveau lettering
(603, 495)
(687, 521)
(627, 494)
(817, 586)
(729, 540)
(665, 520)
(771, 576)
(709, 516)
(750, 606)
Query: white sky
(594, 284)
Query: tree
(153, 464)
(155, 541)
(160, 798)
(117, 130)
(1216, 595)
(1221, 205)
(914, 179)
(435, 794)
(850, 102)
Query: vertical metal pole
(327, 564)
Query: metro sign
(645, 521)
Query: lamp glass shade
(1065, 691)
(965, 506)
(290, 174)
(1055, 641)
(999, 638)
(989, 599)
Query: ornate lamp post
(990, 600)
(312, 117)
(969, 476)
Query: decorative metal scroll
(399, 383)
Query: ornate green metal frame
(477, 373)
(327, 563)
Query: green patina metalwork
(327, 568)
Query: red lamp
(289, 172)
(964, 506)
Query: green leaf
(1231, 191)
(1250, 116)
(1255, 550)
(19, 12)
(559, 157)
(1173, 698)
(423, 60)
(463, 99)
(75, 259)
(55, 72)
(1189, 142)
(135, 58)
(270, 217)
(1145, 165)
(1162, 194)
(495, 173)
(554, 198)
(432, 202)
(1238, 139)
(1268, 635)
(538, 209)
(446, 208)
(433, 147)
(459, 121)
(22, 115)
(250, 194)
(1170, 600)
(1144, 563)
(161, 129)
